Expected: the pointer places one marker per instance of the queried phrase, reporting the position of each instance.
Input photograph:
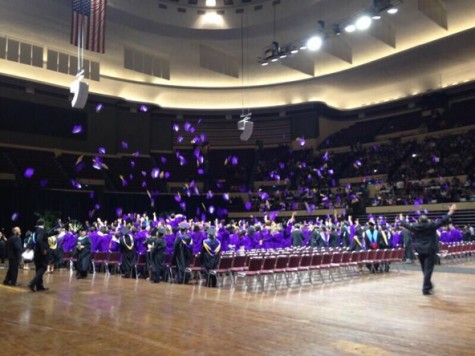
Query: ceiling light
(350, 28)
(393, 10)
(314, 43)
(283, 55)
(303, 48)
(376, 17)
(363, 22)
(274, 59)
(294, 51)
(210, 3)
(264, 64)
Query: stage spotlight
(314, 43)
(363, 22)
(350, 28)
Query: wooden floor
(382, 314)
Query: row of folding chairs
(298, 265)
(457, 252)
(106, 260)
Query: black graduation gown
(182, 252)
(333, 239)
(345, 236)
(315, 239)
(209, 259)
(127, 249)
(83, 256)
(157, 258)
(297, 237)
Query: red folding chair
(316, 265)
(293, 267)
(113, 260)
(304, 266)
(98, 258)
(267, 270)
(255, 265)
(224, 267)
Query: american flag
(89, 18)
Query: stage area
(376, 314)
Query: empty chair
(267, 269)
(239, 265)
(370, 260)
(194, 270)
(326, 264)
(140, 262)
(304, 266)
(255, 265)
(316, 265)
(224, 267)
(280, 265)
(293, 267)
(336, 262)
(113, 260)
(98, 259)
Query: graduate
(82, 252)
(209, 257)
(182, 252)
(156, 245)
(127, 249)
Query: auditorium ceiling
(211, 57)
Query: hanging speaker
(246, 127)
(80, 90)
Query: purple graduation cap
(77, 129)
(29, 172)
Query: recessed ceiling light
(210, 3)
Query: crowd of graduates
(176, 239)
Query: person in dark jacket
(41, 248)
(426, 244)
(14, 250)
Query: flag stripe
(89, 16)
